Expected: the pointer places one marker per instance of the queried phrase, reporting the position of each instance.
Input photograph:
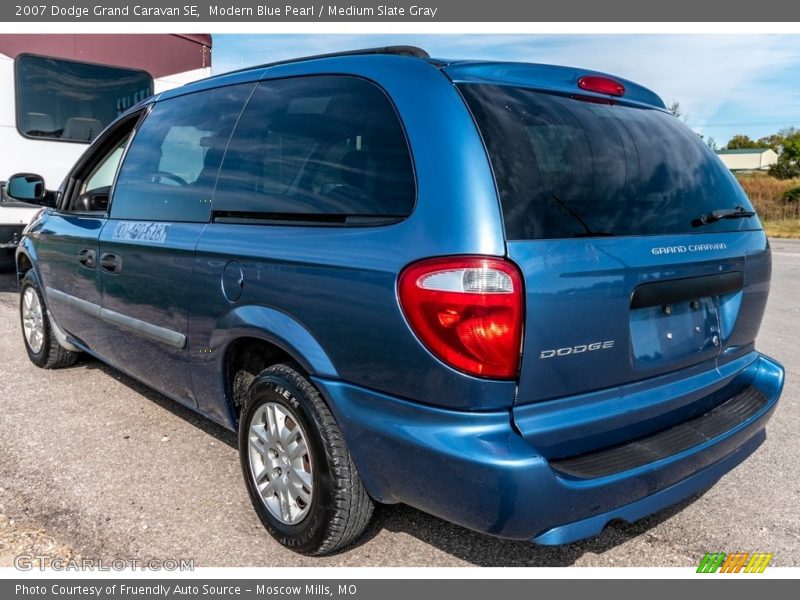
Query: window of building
(73, 101)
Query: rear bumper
(475, 469)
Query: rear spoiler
(549, 78)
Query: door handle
(87, 258)
(111, 262)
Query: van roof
(552, 78)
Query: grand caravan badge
(689, 248)
(155, 233)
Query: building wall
(749, 162)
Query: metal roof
(743, 151)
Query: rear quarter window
(571, 168)
(328, 147)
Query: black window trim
(82, 62)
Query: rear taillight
(467, 311)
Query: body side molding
(136, 326)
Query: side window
(183, 152)
(317, 146)
(89, 185)
(102, 176)
(171, 168)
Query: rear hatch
(639, 250)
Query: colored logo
(744, 562)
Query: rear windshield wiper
(738, 212)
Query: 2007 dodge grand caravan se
(523, 298)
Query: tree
(788, 165)
(711, 143)
(675, 108)
(774, 142)
(740, 141)
(784, 170)
(777, 140)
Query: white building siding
(749, 161)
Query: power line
(750, 124)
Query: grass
(781, 218)
(788, 228)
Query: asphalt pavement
(93, 464)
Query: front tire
(300, 477)
(40, 341)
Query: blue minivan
(523, 298)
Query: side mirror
(26, 187)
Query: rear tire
(40, 341)
(300, 477)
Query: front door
(160, 206)
(68, 240)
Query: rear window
(571, 168)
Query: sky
(726, 84)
